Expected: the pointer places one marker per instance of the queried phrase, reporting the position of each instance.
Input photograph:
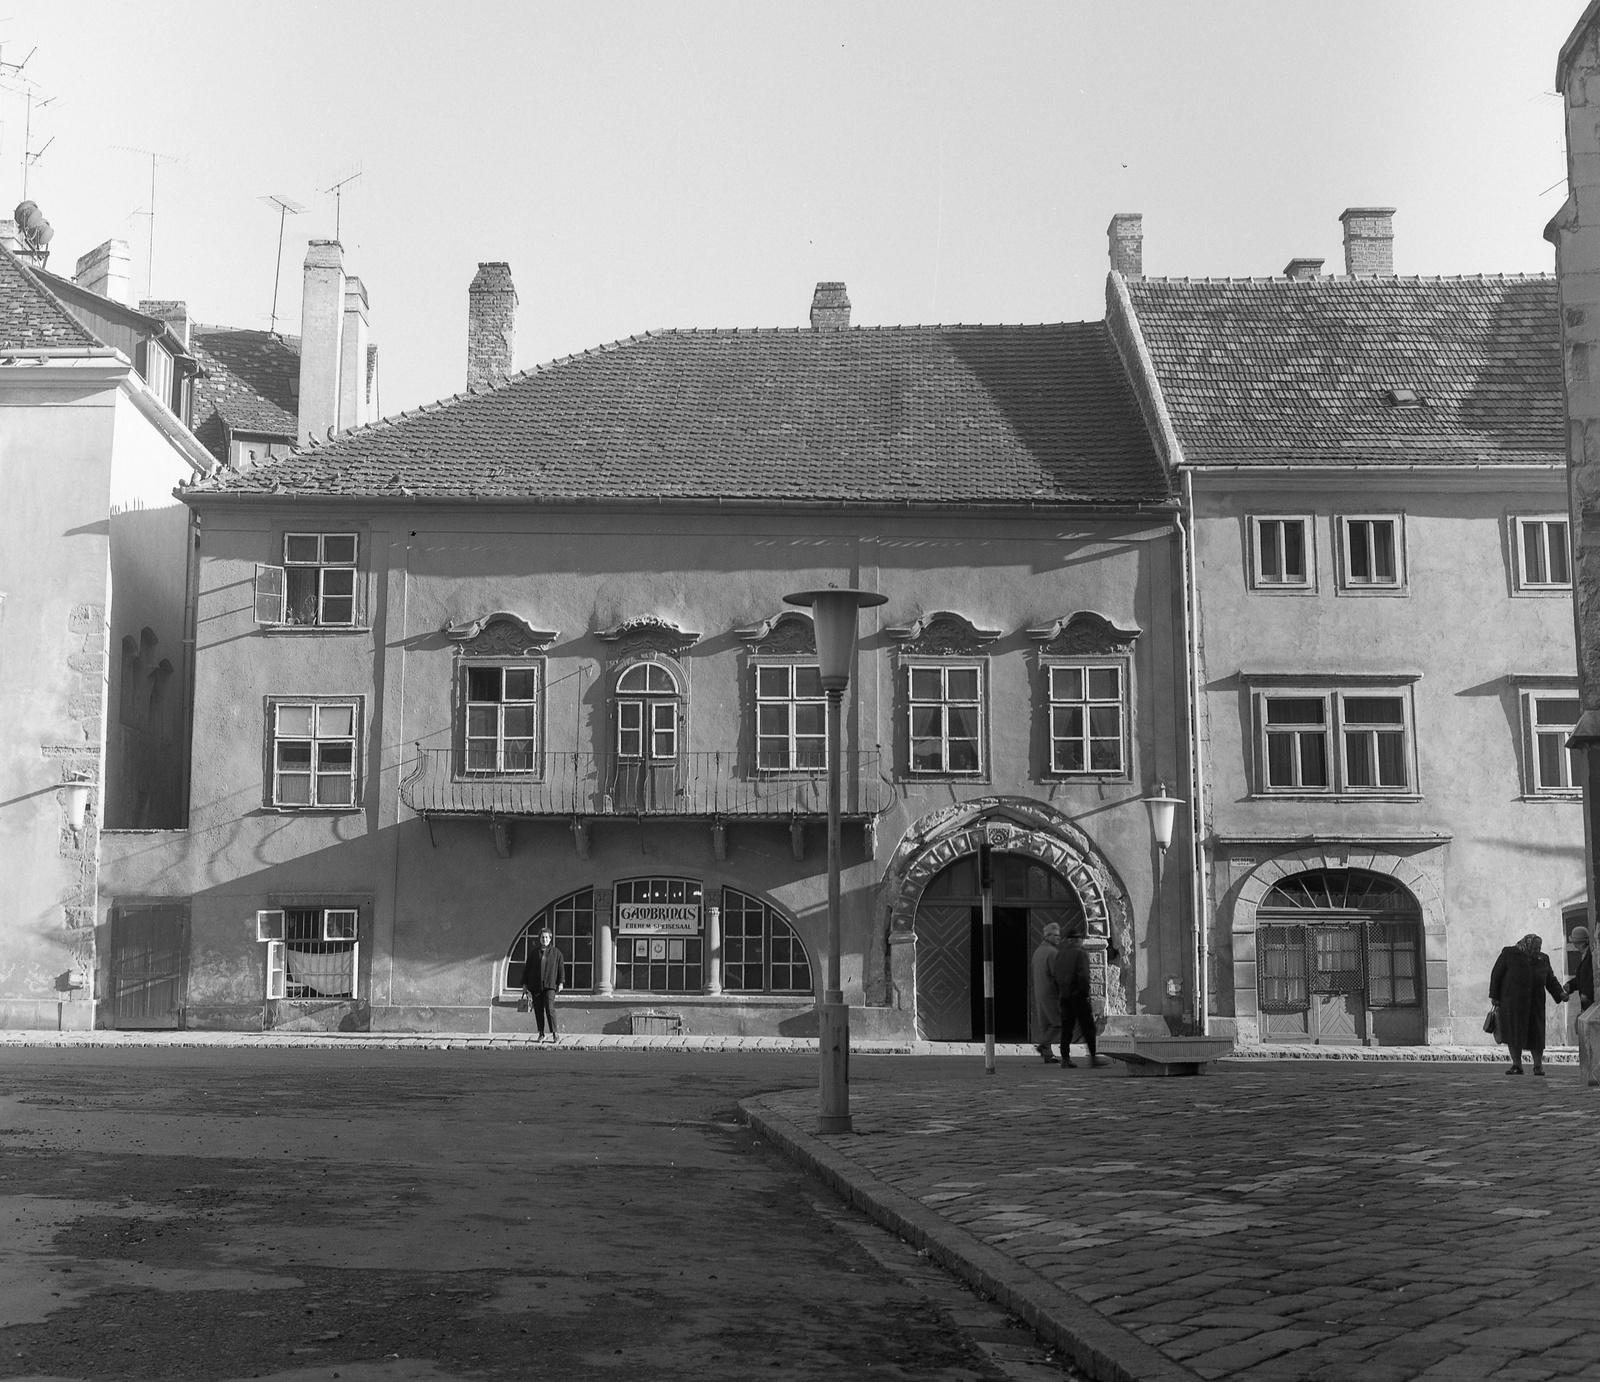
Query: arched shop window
(760, 951)
(660, 935)
(571, 921)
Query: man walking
(541, 977)
(1071, 971)
(1582, 981)
(1046, 1006)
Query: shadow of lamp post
(834, 613)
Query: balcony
(704, 786)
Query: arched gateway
(1046, 869)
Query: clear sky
(643, 165)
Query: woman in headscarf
(1582, 981)
(1517, 985)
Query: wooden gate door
(148, 946)
(1338, 1011)
(944, 971)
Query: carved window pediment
(786, 634)
(1084, 634)
(650, 631)
(500, 634)
(942, 633)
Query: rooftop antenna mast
(29, 90)
(286, 207)
(338, 195)
(150, 258)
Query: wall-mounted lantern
(1163, 811)
(78, 787)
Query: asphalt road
(425, 1216)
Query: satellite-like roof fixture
(36, 232)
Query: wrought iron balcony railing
(707, 785)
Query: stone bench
(1169, 1055)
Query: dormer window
(1404, 398)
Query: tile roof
(955, 414)
(1260, 371)
(32, 316)
(248, 383)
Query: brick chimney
(491, 325)
(10, 236)
(1304, 268)
(1368, 239)
(174, 313)
(108, 270)
(321, 339)
(1126, 234)
(830, 308)
(353, 394)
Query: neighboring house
(1374, 470)
(522, 657)
(246, 400)
(93, 584)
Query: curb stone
(1104, 1350)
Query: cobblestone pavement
(1271, 1220)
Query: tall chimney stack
(1126, 234)
(1368, 239)
(353, 393)
(108, 270)
(491, 325)
(322, 313)
(830, 307)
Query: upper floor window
(1550, 717)
(946, 718)
(1543, 554)
(1087, 719)
(1281, 555)
(316, 585)
(791, 717)
(648, 704)
(313, 752)
(502, 724)
(1354, 742)
(1371, 552)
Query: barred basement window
(760, 951)
(311, 951)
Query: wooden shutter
(277, 969)
(269, 594)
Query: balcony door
(648, 703)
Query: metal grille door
(147, 966)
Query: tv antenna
(287, 207)
(150, 258)
(338, 195)
(29, 90)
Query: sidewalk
(478, 1041)
(1323, 1222)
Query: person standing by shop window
(541, 977)
(1517, 985)
(1582, 981)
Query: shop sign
(658, 919)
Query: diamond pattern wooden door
(944, 971)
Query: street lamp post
(834, 615)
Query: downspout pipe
(1197, 810)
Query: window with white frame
(1372, 553)
(648, 702)
(1088, 717)
(312, 952)
(1281, 556)
(946, 718)
(1550, 717)
(316, 585)
(502, 718)
(791, 717)
(760, 951)
(1346, 741)
(313, 752)
(1543, 553)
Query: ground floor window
(660, 935)
(760, 951)
(571, 922)
(311, 951)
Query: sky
(650, 165)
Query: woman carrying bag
(1517, 985)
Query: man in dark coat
(1046, 1006)
(1582, 981)
(1071, 971)
(541, 977)
(1517, 985)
